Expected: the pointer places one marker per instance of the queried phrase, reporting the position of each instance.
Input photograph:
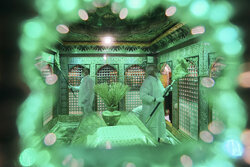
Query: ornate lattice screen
(105, 74)
(134, 76)
(75, 78)
(188, 93)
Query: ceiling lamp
(107, 40)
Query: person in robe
(86, 92)
(151, 93)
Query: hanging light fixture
(107, 40)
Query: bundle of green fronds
(111, 94)
(181, 69)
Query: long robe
(86, 94)
(152, 88)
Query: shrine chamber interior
(118, 49)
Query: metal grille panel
(106, 74)
(188, 93)
(75, 77)
(134, 76)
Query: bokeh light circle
(63, 29)
(226, 34)
(66, 6)
(246, 155)
(199, 8)
(83, 14)
(186, 161)
(206, 136)
(170, 11)
(138, 4)
(51, 79)
(123, 13)
(34, 29)
(28, 157)
(216, 127)
(207, 82)
(198, 30)
(244, 79)
(234, 148)
(50, 139)
(245, 138)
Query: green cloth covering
(120, 135)
(90, 124)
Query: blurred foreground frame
(221, 152)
